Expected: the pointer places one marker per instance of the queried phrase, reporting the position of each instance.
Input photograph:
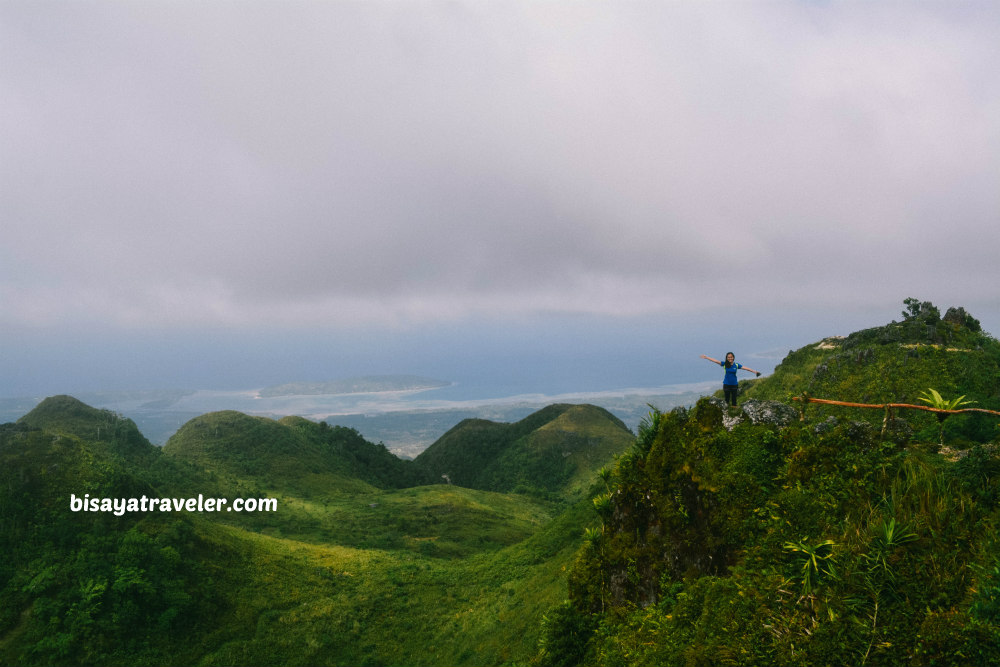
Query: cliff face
(681, 503)
(768, 534)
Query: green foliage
(977, 474)
(648, 428)
(295, 454)
(604, 506)
(565, 633)
(986, 601)
(885, 579)
(688, 549)
(887, 539)
(893, 364)
(554, 453)
(357, 553)
(934, 399)
(817, 562)
(358, 458)
(702, 559)
(948, 638)
(923, 311)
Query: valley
(775, 533)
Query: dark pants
(730, 391)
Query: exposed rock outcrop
(756, 412)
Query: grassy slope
(795, 547)
(260, 449)
(112, 432)
(895, 363)
(555, 452)
(819, 543)
(299, 603)
(344, 573)
(467, 451)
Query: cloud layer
(329, 164)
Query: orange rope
(807, 399)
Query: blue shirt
(731, 373)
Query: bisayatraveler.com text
(120, 506)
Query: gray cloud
(186, 164)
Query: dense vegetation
(770, 534)
(291, 454)
(555, 451)
(363, 563)
(74, 587)
(897, 363)
(828, 540)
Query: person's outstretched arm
(747, 368)
(714, 361)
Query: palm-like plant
(648, 428)
(815, 563)
(605, 474)
(935, 400)
(604, 506)
(592, 535)
(887, 537)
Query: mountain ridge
(725, 538)
(896, 363)
(155, 587)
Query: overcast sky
(190, 189)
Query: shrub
(565, 633)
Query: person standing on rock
(730, 384)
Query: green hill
(556, 451)
(75, 584)
(292, 454)
(185, 588)
(895, 363)
(356, 457)
(722, 536)
(356, 565)
(69, 416)
(728, 538)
